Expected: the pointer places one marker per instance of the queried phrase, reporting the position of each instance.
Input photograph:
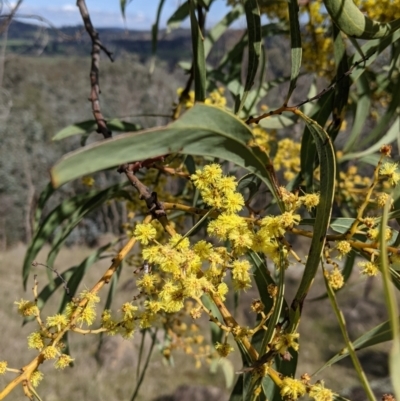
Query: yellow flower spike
(63, 361)
(203, 249)
(50, 352)
(286, 341)
(145, 233)
(27, 308)
(147, 283)
(35, 341)
(368, 268)
(36, 378)
(91, 297)
(336, 279)
(57, 320)
(388, 170)
(310, 200)
(382, 199)
(88, 315)
(320, 393)
(3, 367)
(223, 349)
(292, 389)
(128, 310)
(88, 181)
(343, 247)
(177, 241)
(222, 290)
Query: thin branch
(333, 84)
(65, 284)
(280, 110)
(97, 46)
(4, 26)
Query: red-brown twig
(94, 69)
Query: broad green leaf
(295, 43)
(180, 14)
(86, 127)
(203, 131)
(254, 37)
(326, 156)
(199, 60)
(74, 207)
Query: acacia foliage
(236, 238)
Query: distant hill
(32, 39)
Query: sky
(140, 14)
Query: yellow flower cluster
(216, 98)
(3, 367)
(287, 158)
(382, 10)
(217, 190)
(27, 308)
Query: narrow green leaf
(43, 198)
(350, 346)
(59, 240)
(123, 4)
(295, 43)
(66, 210)
(199, 60)
(363, 105)
(388, 138)
(216, 332)
(220, 28)
(326, 156)
(342, 87)
(79, 272)
(255, 95)
(180, 14)
(371, 50)
(154, 35)
(203, 131)
(254, 37)
(391, 303)
(308, 151)
(379, 334)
